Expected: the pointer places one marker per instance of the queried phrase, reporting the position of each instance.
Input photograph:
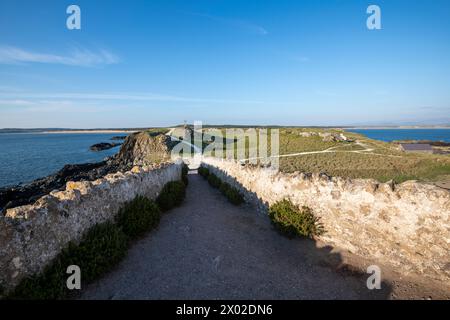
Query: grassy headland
(359, 157)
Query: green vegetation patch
(204, 172)
(293, 221)
(214, 180)
(157, 131)
(365, 165)
(184, 174)
(138, 216)
(360, 157)
(172, 195)
(233, 195)
(103, 246)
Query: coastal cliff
(41, 218)
(138, 149)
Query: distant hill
(40, 130)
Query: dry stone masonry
(32, 235)
(406, 226)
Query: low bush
(204, 172)
(172, 195)
(231, 193)
(184, 174)
(292, 221)
(138, 216)
(214, 181)
(101, 248)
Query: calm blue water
(405, 134)
(25, 157)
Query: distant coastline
(87, 131)
(68, 130)
(132, 130)
(396, 127)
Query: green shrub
(172, 195)
(138, 216)
(292, 221)
(231, 193)
(184, 174)
(100, 249)
(214, 181)
(204, 172)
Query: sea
(25, 157)
(389, 135)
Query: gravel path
(210, 249)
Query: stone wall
(32, 235)
(406, 226)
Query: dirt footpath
(211, 249)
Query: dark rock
(138, 149)
(103, 146)
(19, 195)
(119, 138)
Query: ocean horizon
(29, 156)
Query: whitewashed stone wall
(32, 235)
(406, 226)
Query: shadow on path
(211, 249)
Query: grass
(157, 131)
(292, 142)
(385, 162)
(293, 221)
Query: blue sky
(157, 63)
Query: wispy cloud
(32, 97)
(435, 108)
(77, 57)
(16, 102)
(244, 25)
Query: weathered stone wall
(32, 235)
(406, 226)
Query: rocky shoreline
(20, 195)
(138, 149)
(103, 146)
